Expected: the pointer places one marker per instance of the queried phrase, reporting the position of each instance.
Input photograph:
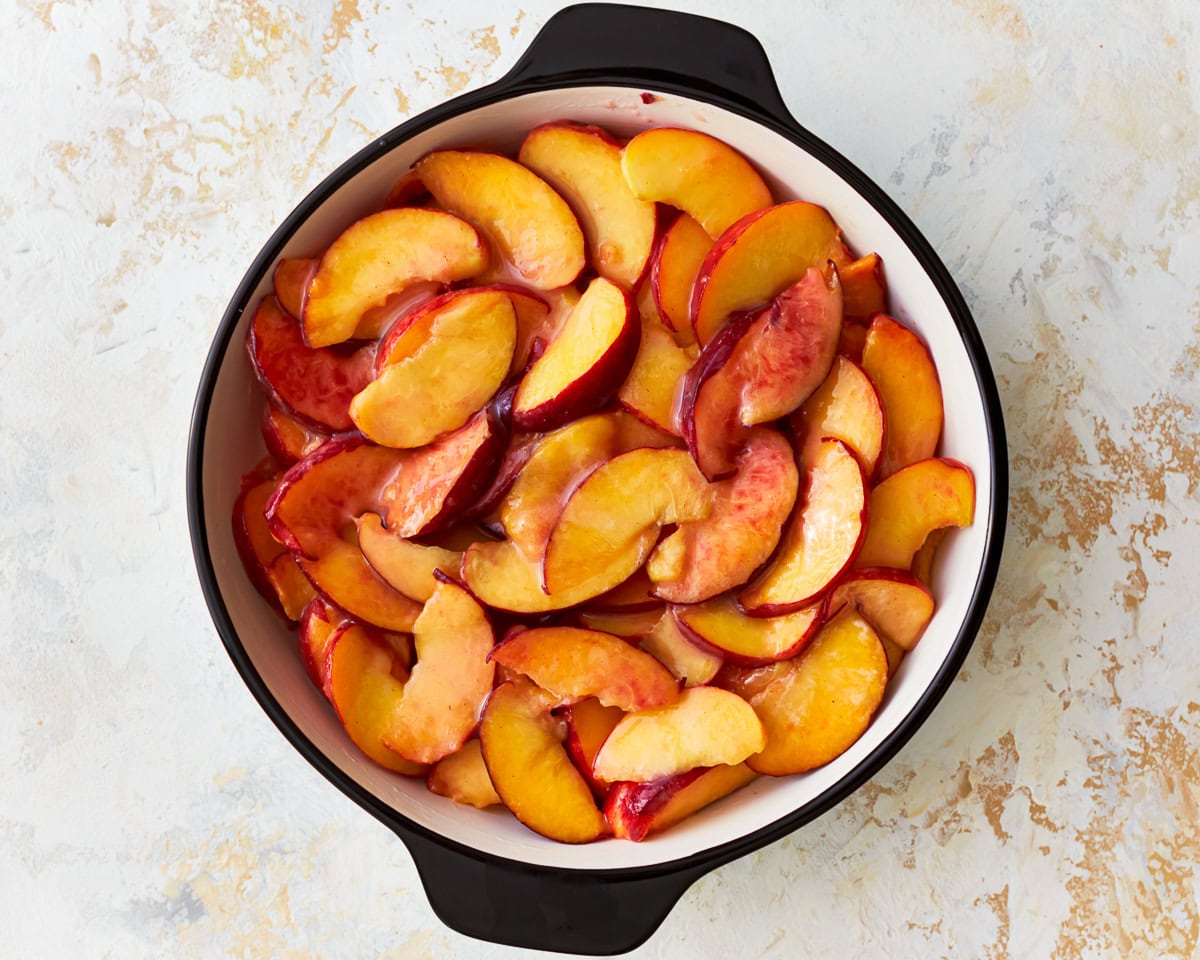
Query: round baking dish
(623, 68)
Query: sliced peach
(584, 165)
(845, 406)
(365, 680)
(621, 623)
(705, 727)
(290, 281)
(449, 378)
(699, 174)
(863, 287)
(462, 776)
(680, 254)
(852, 339)
(822, 539)
(501, 576)
(312, 512)
(706, 557)
(690, 664)
(903, 372)
(636, 593)
(290, 585)
(604, 528)
(911, 504)
(412, 329)
(317, 386)
(439, 481)
(530, 768)
(894, 602)
(585, 363)
(573, 663)
(256, 546)
(923, 559)
(531, 225)
(635, 810)
(759, 368)
(378, 257)
(589, 722)
(318, 623)
(407, 566)
(287, 438)
(554, 468)
(407, 191)
(450, 681)
(720, 626)
(824, 699)
(758, 258)
(748, 681)
(650, 390)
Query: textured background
(1050, 806)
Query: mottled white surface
(1050, 806)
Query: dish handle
(568, 911)
(595, 42)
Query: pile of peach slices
(600, 483)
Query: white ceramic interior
(233, 444)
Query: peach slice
(583, 164)
(629, 624)
(706, 557)
(317, 386)
(759, 368)
(290, 585)
(903, 372)
(852, 340)
(863, 287)
(705, 727)
(318, 624)
(669, 645)
(894, 602)
(604, 528)
(758, 258)
(573, 663)
(290, 281)
(256, 546)
(462, 776)
(365, 679)
(677, 261)
(412, 329)
(911, 504)
(530, 767)
(312, 512)
(439, 481)
(636, 593)
(720, 626)
(530, 224)
(589, 722)
(923, 559)
(845, 406)
(379, 256)
(822, 539)
(408, 567)
(748, 681)
(287, 439)
(824, 699)
(635, 810)
(451, 680)
(555, 467)
(449, 378)
(583, 365)
(407, 191)
(501, 576)
(650, 389)
(699, 174)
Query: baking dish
(623, 68)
